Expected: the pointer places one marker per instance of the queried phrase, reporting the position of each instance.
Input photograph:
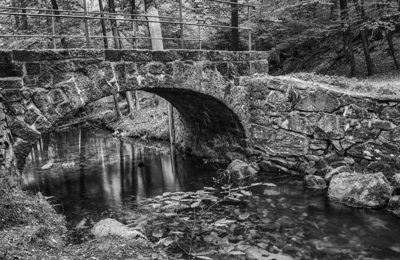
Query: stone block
(169, 55)
(356, 112)
(279, 142)
(15, 109)
(223, 69)
(65, 108)
(31, 82)
(391, 114)
(246, 56)
(332, 126)
(374, 150)
(86, 54)
(32, 68)
(130, 69)
(137, 55)
(196, 55)
(156, 68)
(42, 124)
(261, 55)
(364, 103)
(57, 96)
(299, 122)
(316, 144)
(112, 55)
(11, 96)
(393, 135)
(39, 55)
(11, 69)
(260, 67)
(5, 56)
(11, 84)
(120, 74)
(378, 124)
(319, 101)
(243, 68)
(30, 116)
(221, 56)
(22, 130)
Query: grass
(17, 208)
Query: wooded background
(284, 27)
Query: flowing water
(93, 173)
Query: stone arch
(201, 85)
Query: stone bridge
(228, 106)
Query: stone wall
(41, 87)
(9, 176)
(306, 127)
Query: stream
(93, 173)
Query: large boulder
(393, 205)
(111, 227)
(360, 190)
(240, 171)
(314, 182)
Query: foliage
(18, 208)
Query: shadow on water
(92, 172)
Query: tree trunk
(389, 37)
(58, 22)
(153, 25)
(131, 104)
(103, 25)
(137, 100)
(234, 23)
(134, 23)
(334, 9)
(17, 20)
(347, 37)
(24, 18)
(351, 52)
(343, 17)
(114, 27)
(368, 59)
(364, 40)
(117, 109)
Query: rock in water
(108, 226)
(239, 171)
(360, 190)
(314, 182)
(393, 205)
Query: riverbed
(92, 174)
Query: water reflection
(93, 171)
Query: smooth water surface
(92, 171)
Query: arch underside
(204, 115)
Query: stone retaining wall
(306, 128)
